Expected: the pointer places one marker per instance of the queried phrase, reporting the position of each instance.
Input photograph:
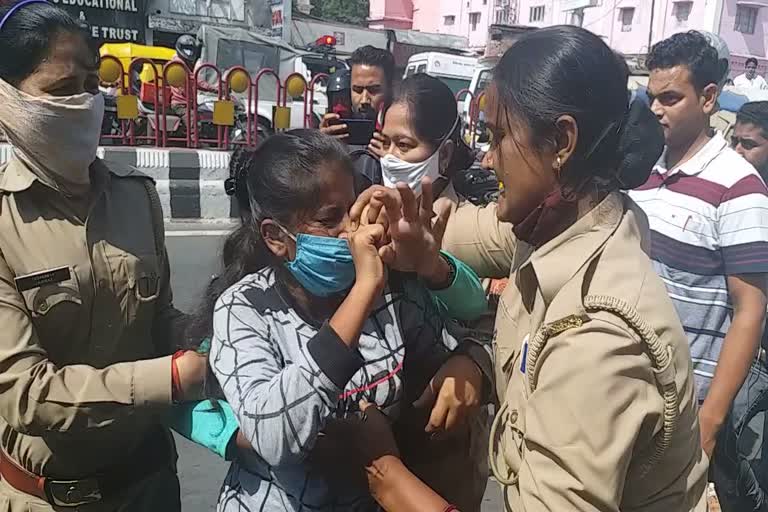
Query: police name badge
(524, 357)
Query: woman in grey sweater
(310, 322)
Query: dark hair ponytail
(641, 142)
(552, 72)
(277, 180)
(433, 115)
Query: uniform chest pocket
(508, 435)
(51, 292)
(506, 345)
(141, 277)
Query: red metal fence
(166, 112)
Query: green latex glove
(205, 424)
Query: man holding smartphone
(372, 76)
(371, 84)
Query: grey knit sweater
(286, 378)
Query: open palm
(415, 238)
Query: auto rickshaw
(127, 52)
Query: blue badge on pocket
(524, 359)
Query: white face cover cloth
(56, 137)
(395, 170)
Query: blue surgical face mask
(323, 265)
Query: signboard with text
(118, 21)
(277, 18)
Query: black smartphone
(360, 131)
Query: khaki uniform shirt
(582, 405)
(86, 313)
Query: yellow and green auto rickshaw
(127, 53)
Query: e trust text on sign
(110, 20)
(111, 5)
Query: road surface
(194, 251)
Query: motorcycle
(480, 186)
(175, 126)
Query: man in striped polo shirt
(708, 212)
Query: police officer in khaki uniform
(592, 365)
(86, 311)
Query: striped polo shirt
(708, 220)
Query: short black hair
(27, 35)
(690, 49)
(751, 60)
(372, 56)
(754, 112)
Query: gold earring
(558, 164)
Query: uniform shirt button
(44, 307)
(513, 417)
(102, 283)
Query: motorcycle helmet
(188, 48)
(723, 55)
(339, 81)
(339, 93)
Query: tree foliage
(345, 11)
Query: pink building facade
(467, 18)
(624, 24)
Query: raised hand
(331, 125)
(377, 145)
(364, 244)
(452, 394)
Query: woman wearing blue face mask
(306, 321)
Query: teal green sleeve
(465, 298)
(206, 425)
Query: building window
(449, 20)
(577, 17)
(626, 16)
(536, 14)
(485, 2)
(501, 16)
(474, 19)
(681, 11)
(746, 19)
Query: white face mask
(394, 170)
(56, 137)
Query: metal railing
(165, 112)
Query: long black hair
(432, 113)
(27, 36)
(278, 180)
(567, 70)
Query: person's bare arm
(391, 484)
(748, 295)
(349, 319)
(396, 489)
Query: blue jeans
(740, 465)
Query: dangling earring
(558, 165)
